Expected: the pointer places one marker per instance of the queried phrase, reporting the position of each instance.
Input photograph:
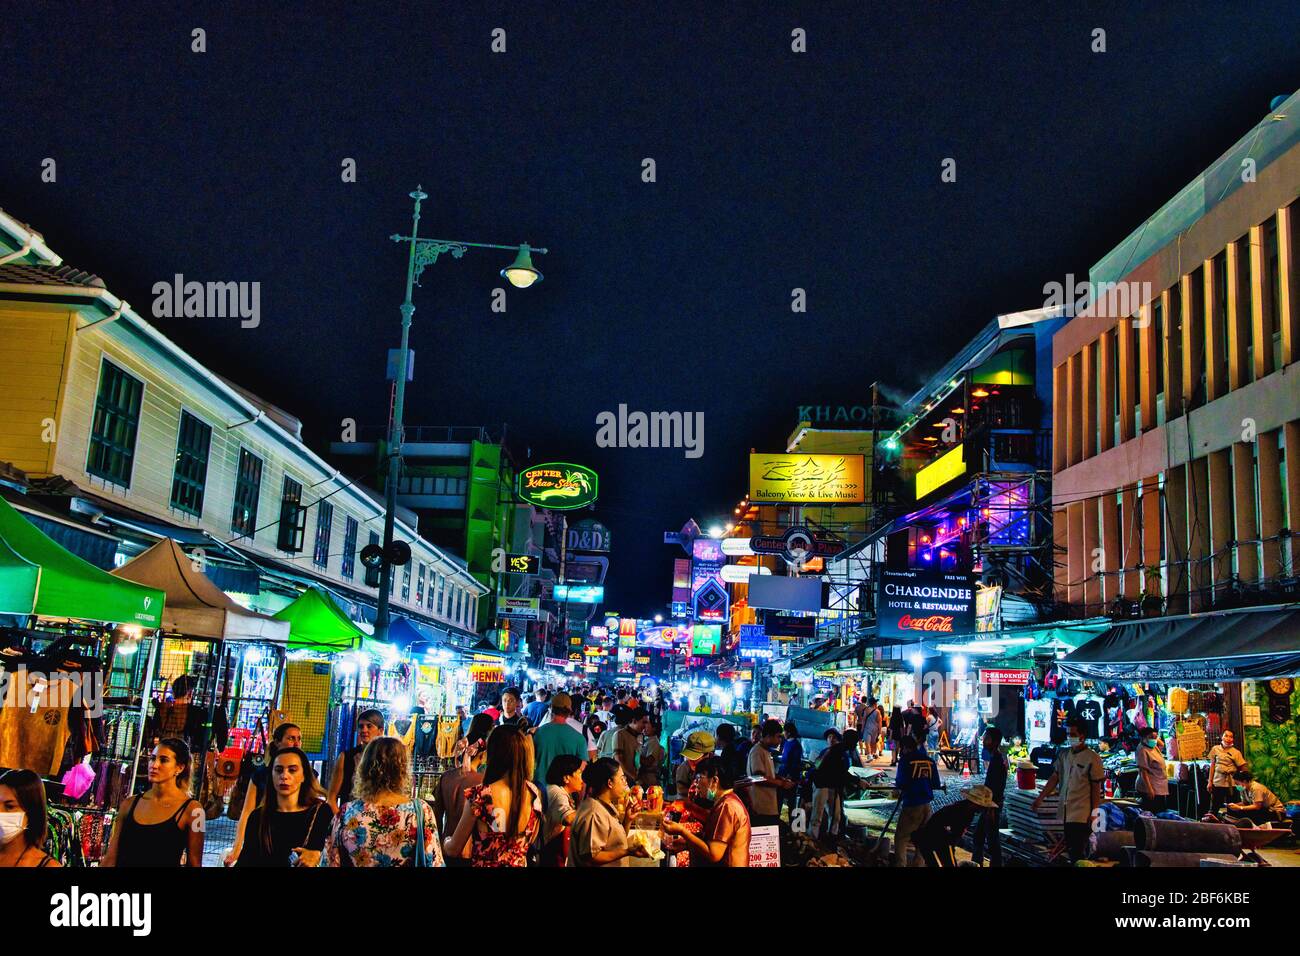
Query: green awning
(317, 624)
(39, 576)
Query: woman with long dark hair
(164, 824)
(380, 827)
(284, 736)
(23, 820)
(503, 815)
(292, 821)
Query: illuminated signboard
(523, 563)
(925, 604)
(706, 640)
(643, 658)
(587, 535)
(708, 593)
(580, 594)
(754, 641)
(829, 479)
(599, 631)
(528, 608)
(940, 472)
(739, 573)
(487, 673)
(559, 485)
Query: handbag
(421, 854)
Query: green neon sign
(560, 486)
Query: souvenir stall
(325, 674)
(75, 716)
(230, 656)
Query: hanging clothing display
(34, 723)
(1038, 720)
(1090, 710)
(448, 734)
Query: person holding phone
(292, 823)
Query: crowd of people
(560, 781)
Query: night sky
(775, 170)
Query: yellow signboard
(806, 479)
(940, 472)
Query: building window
(406, 582)
(193, 441)
(1272, 291)
(320, 555)
(1245, 305)
(293, 517)
(248, 488)
(348, 565)
(442, 595)
(1218, 325)
(1158, 353)
(419, 587)
(117, 418)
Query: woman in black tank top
(164, 842)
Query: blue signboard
(754, 641)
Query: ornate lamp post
(425, 252)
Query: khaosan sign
(559, 486)
(923, 605)
(806, 479)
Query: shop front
(1196, 678)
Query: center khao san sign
(559, 485)
(806, 479)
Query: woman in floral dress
(503, 815)
(379, 829)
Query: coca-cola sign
(935, 622)
(920, 604)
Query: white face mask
(11, 826)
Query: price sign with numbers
(765, 846)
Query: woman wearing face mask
(283, 737)
(370, 724)
(1153, 784)
(724, 839)
(158, 827)
(292, 823)
(22, 820)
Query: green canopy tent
(317, 624)
(39, 576)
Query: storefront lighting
(925, 539)
(716, 531)
(959, 665)
(401, 705)
(659, 618)
(917, 660)
(347, 667)
(980, 393)
(128, 647)
(958, 410)
(891, 444)
(931, 438)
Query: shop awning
(1247, 644)
(38, 576)
(195, 606)
(317, 624)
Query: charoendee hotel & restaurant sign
(921, 604)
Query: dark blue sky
(775, 170)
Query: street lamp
(422, 253)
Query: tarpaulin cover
(38, 576)
(1223, 646)
(195, 606)
(317, 624)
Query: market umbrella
(317, 624)
(39, 576)
(195, 606)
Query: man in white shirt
(765, 793)
(1078, 775)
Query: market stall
(74, 634)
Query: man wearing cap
(699, 744)
(943, 831)
(556, 737)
